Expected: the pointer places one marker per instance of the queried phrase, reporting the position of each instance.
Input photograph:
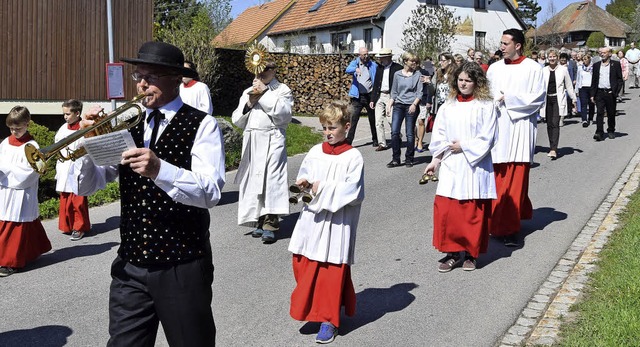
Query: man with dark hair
(164, 269)
(517, 85)
(606, 82)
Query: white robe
(524, 93)
(262, 174)
(564, 86)
(326, 228)
(197, 96)
(64, 168)
(467, 175)
(18, 184)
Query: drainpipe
(381, 32)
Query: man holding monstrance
(264, 112)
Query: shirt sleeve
(334, 195)
(479, 146)
(202, 185)
(523, 105)
(278, 105)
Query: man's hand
(455, 147)
(142, 161)
(90, 118)
(372, 105)
(258, 86)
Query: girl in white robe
(323, 240)
(463, 134)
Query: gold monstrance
(254, 60)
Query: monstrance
(254, 60)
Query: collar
(515, 61)
(336, 149)
(190, 84)
(169, 110)
(74, 126)
(21, 141)
(464, 98)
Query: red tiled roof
(330, 13)
(251, 23)
(583, 16)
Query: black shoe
(598, 137)
(393, 163)
(611, 135)
(408, 163)
(375, 144)
(511, 241)
(585, 124)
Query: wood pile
(313, 79)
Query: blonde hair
(18, 115)
(406, 56)
(338, 111)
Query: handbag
(429, 124)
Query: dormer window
(317, 5)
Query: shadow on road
(112, 223)
(229, 198)
(64, 254)
(48, 335)
(542, 217)
(371, 305)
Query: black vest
(155, 229)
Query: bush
(595, 40)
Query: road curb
(539, 322)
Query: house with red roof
(333, 26)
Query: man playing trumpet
(264, 112)
(164, 269)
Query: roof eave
(323, 26)
(273, 20)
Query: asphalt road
(61, 299)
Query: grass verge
(609, 313)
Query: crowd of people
(482, 116)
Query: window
(313, 44)
(615, 42)
(339, 41)
(317, 5)
(368, 38)
(350, 1)
(480, 4)
(430, 2)
(287, 45)
(480, 42)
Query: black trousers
(552, 113)
(357, 104)
(178, 295)
(605, 100)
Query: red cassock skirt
(74, 213)
(22, 242)
(461, 225)
(321, 291)
(513, 203)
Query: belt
(554, 94)
(384, 92)
(606, 90)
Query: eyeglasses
(136, 76)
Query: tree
(624, 10)
(429, 30)
(528, 11)
(595, 40)
(191, 26)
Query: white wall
(494, 20)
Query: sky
(237, 6)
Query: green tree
(595, 40)
(429, 30)
(191, 25)
(624, 10)
(528, 11)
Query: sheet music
(107, 149)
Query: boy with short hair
(74, 209)
(323, 239)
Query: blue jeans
(400, 114)
(588, 107)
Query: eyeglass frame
(150, 78)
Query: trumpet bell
(35, 158)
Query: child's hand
(302, 183)
(315, 187)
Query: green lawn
(609, 314)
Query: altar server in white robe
(264, 112)
(464, 132)
(195, 93)
(517, 85)
(323, 240)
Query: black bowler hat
(161, 54)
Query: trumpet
(124, 117)
(299, 194)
